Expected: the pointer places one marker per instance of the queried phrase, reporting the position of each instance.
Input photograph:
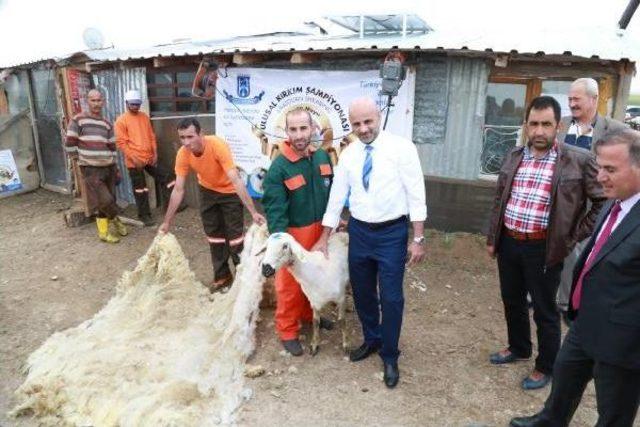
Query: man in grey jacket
(581, 129)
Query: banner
(9, 178)
(251, 104)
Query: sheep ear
(298, 252)
(261, 250)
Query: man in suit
(539, 213)
(604, 341)
(580, 129)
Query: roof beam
(247, 58)
(304, 58)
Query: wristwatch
(419, 240)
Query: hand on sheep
(322, 246)
(416, 252)
(342, 226)
(258, 219)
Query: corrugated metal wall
(458, 155)
(114, 84)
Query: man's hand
(342, 225)
(322, 246)
(164, 228)
(491, 250)
(258, 219)
(154, 161)
(416, 252)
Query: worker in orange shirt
(222, 195)
(137, 142)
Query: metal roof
(602, 43)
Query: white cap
(133, 96)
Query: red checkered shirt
(530, 200)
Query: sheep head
(280, 249)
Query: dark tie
(602, 239)
(366, 168)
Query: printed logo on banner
(244, 86)
(243, 90)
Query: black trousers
(141, 191)
(223, 222)
(521, 266)
(617, 389)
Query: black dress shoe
(391, 374)
(362, 352)
(293, 347)
(532, 421)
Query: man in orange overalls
(296, 190)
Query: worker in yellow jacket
(137, 142)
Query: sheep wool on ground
(162, 352)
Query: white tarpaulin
(251, 104)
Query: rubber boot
(103, 231)
(120, 227)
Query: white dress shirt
(625, 207)
(396, 183)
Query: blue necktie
(366, 168)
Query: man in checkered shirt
(540, 212)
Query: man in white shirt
(381, 176)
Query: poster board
(251, 105)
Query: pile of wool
(162, 352)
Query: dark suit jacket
(603, 125)
(608, 321)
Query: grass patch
(634, 99)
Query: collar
(574, 121)
(627, 204)
(552, 150)
(375, 143)
(291, 155)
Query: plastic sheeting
(458, 156)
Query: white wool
(162, 352)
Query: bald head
(95, 101)
(365, 119)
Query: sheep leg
(316, 332)
(343, 325)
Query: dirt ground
(53, 277)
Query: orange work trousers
(292, 306)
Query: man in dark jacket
(296, 190)
(538, 216)
(604, 341)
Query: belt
(517, 235)
(383, 224)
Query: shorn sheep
(322, 280)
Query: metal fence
(497, 141)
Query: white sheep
(322, 280)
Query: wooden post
(604, 94)
(625, 75)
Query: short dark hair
(298, 110)
(188, 122)
(542, 103)
(628, 137)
